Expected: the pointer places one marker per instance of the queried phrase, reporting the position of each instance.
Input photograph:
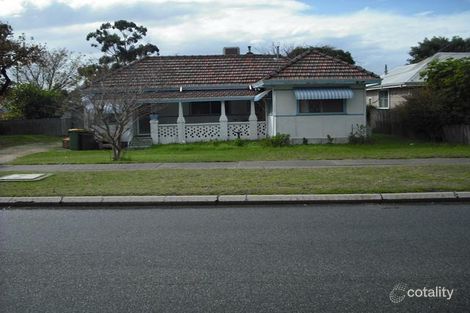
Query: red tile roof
(315, 65)
(174, 71)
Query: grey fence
(386, 122)
(457, 134)
(45, 126)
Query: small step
(140, 142)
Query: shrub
(329, 139)
(280, 140)
(359, 134)
(369, 111)
(29, 101)
(421, 115)
(238, 142)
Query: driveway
(11, 153)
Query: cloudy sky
(376, 32)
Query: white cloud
(10, 8)
(14, 7)
(387, 31)
(374, 37)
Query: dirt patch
(11, 153)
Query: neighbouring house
(249, 96)
(400, 82)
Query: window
(383, 99)
(321, 106)
(204, 108)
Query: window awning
(323, 93)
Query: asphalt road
(342, 258)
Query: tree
(449, 81)
(121, 43)
(429, 47)
(443, 101)
(110, 113)
(91, 71)
(14, 52)
(55, 70)
(328, 50)
(28, 101)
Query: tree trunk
(117, 152)
(7, 82)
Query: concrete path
(11, 153)
(237, 165)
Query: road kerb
(235, 199)
(463, 195)
(419, 196)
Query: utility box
(81, 139)
(74, 135)
(87, 141)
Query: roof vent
(249, 51)
(231, 51)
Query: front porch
(202, 121)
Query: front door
(143, 121)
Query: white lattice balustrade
(242, 127)
(202, 132)
(262, 129)
(167, 133)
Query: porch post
(223, 122)
(253, 122)
(181, 124)
(154, 130)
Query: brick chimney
(231, 50)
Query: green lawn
(18, 140)
(383, 147)
(230, 181)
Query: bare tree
(290, 51)
(56, 69)
(282, 49)
(110, 114)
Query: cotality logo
(398, 293)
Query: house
(401, 81)
(249, 96)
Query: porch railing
(202, 132)
(168, 133)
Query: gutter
(309, 82)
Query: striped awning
(323, 93)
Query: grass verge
(383, 147)
(230, 181)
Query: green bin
(75, 135)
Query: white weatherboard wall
(316, 127)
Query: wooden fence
(46, 126)
(457, 134)
(388, 122)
